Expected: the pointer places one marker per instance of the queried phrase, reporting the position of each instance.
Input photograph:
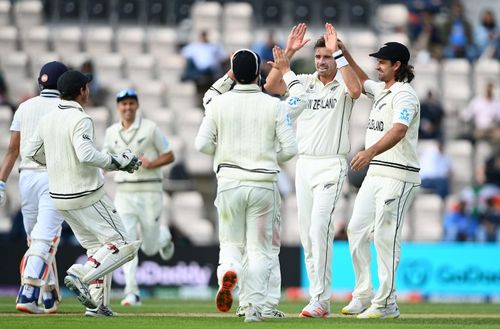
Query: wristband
(340, 59)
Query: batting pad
(113, 260)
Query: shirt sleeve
(16, 121)
(206, 138)
(161, 142)
(34, 148)
(372, 88)
(219, 87)
(297, 99)
(83, 143)
(405, 107)
(287, 143)
(107, 148)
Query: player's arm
(287, 143)
(349, 76)
(405, 109)
(11, 156)
(274, 81)
(358, 71)
(88, 154)
(297, 101)
(34, 149)
(219, 87)
(165, 157)
(205, 141)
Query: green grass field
(202, 314)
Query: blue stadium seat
(330, 11)
(128, 11)
(272, 12)
(302, 11)
(182, 10)
(156, 11)
(98, 10)
(69, 9)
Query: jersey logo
(87, 137)
(288, 120)
(404, 115)
(375, 125)
(319, 104)
(293, 101)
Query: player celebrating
(139, 196)
(391, 181)
(64, 142)
(323, 140)
(248, 132)
(42, 221)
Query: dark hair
(320, 43)
(71, 96)
(404, 73)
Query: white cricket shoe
(131, 300)
(240, 311)
(29, 307)
(81, 290)
(272, 313)
(101, 311)
(315, 310)
(374, 312)
(252, 314)
(167, 252)
(355, 306)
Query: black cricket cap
(50, 72)
(393, 51)
(70, 83)
(245, 65)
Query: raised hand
(281, 62)
(296, 39)
(330, 36)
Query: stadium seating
(35, 40)
(99, 40)
(130, 41)
(28, 13)
(5, 12)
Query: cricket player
(249, 132)
(139, 196)
(323, 141)
(64, 142)
(391, 181)
(42, 222)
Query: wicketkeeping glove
(126, 161)
(3, 195)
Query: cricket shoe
(51, 303)
(224, 298)
(252, 314)
(81, 291)
(272, 313)
(28, 304)
(167, 252)
(101, 311)
(131, 300)
(374, 312)
(314, 310)
(355, 306)
(240, 311)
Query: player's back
(27, 118)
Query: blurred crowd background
(172, 50)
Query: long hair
(405, 73)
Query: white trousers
(274, 284)
(246, 213)
(318, 185)
(141, 211)
(379, 208)
(42, 222)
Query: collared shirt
(323, 127)
(484, 112)
(143, 138)
(398, 104)
(26, 120)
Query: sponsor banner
(190, 266)
(431, 269)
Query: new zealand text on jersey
(376, 125)
(317, 104)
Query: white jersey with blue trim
(398, 104)
(323, 127)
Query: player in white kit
(64, 142)
(391, 181)
(323, 140)
(249, 132)
(42, 222)
(139, 196)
